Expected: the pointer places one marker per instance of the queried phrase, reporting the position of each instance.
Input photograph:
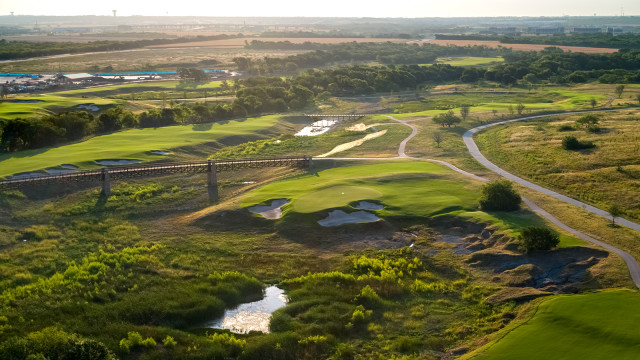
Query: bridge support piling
(106, 183)
(212, 181)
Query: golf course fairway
(602, 325)
(130, 144)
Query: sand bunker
(363, 127)
(339, 217)
(271, 212)
(160, 152)
(352, 144)
(254, 316)
(90, 107)
(62, 169)
(110, 162)
(27, 175)
(365, 205)
(317, 128)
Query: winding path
(632, 263)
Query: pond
(253, 316)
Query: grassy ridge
(50, 103)
(130, 144)
(591, 326)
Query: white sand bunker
(352, 144)
(90, 107)
(271, 212)
(363, 127)
(317, 128)
(339, 217)
(160, 152)
(365, 205)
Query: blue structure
(148, 73)
(20, 75)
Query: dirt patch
(559, 270)
(522, 47)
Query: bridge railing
(130, 171)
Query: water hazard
(253, 316)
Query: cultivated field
(523, 47)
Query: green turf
(470, 61)
(129, 144)
(591, 326)
(406, 188)
(136, 87)
(50, 103)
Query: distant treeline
(603, 40)
(25, 49)
(331, 34)
(329, 54)
(260, 95)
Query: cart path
(632, 263)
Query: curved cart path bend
(632, 264)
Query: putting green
(600, 325)
(334, 196)
(407, 188)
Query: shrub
(169, 342)
(562, 128)
(53, 343)
(538, 238)
(134, 340)
(499, 196)
(572, 143)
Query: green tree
(499, 196)
(446, 119)
(520, 108)
(464, 111)
(538, 238)
(593, 103)
(615, 211)
(619, 91)
(588, 120)
(437, 137)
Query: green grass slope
(130, 144)
(591, 326)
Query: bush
(538, 238)
(169, 342)
(499, 196)
(562, 128)
(572, 143)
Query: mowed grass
(469, 60)
(130, 144)
(604, 175)
(49, 104)
(503, 101)
(600, 325)
(110, 90)
(405, 187)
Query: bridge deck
(122, 172)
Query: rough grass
(604, 175)
(469, 60)
(131, 144)
(590, 326)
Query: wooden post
(212, 181)
(106, 183)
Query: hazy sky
(337, 8)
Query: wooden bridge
(105, 175)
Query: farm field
(239, 42)
(131, 144)
(522, 47)
(604, 175)
(589, 326)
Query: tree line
(24, 49)
(602, 40)
(328, 54)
